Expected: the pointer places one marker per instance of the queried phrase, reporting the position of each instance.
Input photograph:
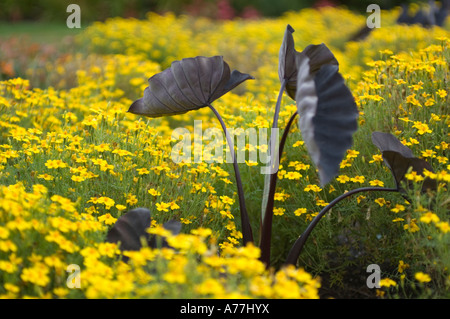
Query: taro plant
(327, 118)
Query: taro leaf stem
(266, 227)
(300, 242)
(247, 233)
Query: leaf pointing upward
(287, 64)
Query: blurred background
(99, 10)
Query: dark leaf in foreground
(399, 159)
(287, 66)
(189, 84)
(131, 229)
(328, 116)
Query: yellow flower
(402, 266)
(162, 207)
(278, 211)
(358, 179)
(312, 187)
(422, 277)
(376, 182)
(293, 175)
(386, 282)
(398, 208)
(153, 192)
(376, 158)
(380, 201)
(55, 164)
(227, 200)
(343, 179)
(107, 219)
(441, 93)
(422, 128)
(444, 227)
(428, 153)
(429, 217)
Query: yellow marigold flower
(11, 288)
(143, 171)
(77, 178)
(398, 208)
(173, 205)
(312, 187)
(293, 175)
(413, 176)
(121, 207)
(376, 182)
(278, 211)
(131, 199)
(441, 93)
(380, 201)
(376, 158)
(402, 266)
(386, 282)
(429, 217)
(154, 192)
(107, 219)
(422, 128)
(210, 287)
(38, 275)
(443, 227)
(412, 226)
(422, 277)
(55, 164)
(343, 179)
(47, 177)
(227, 200)
(162, 207)
(226, 214)
(428, 153)
(358, 179)
(4, 232)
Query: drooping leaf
(399, 159)
(328, 116)
(131, 229)
(287, 63)
(188, 84)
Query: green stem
(300, 242)
(247, 233)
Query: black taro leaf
(287, 66)
(189, 84)
(399, 159)
(328, 116)
(132, 227)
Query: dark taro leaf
(399, 159)
(189, 84)
(132, 227)
(287, 66)
(328, 116)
